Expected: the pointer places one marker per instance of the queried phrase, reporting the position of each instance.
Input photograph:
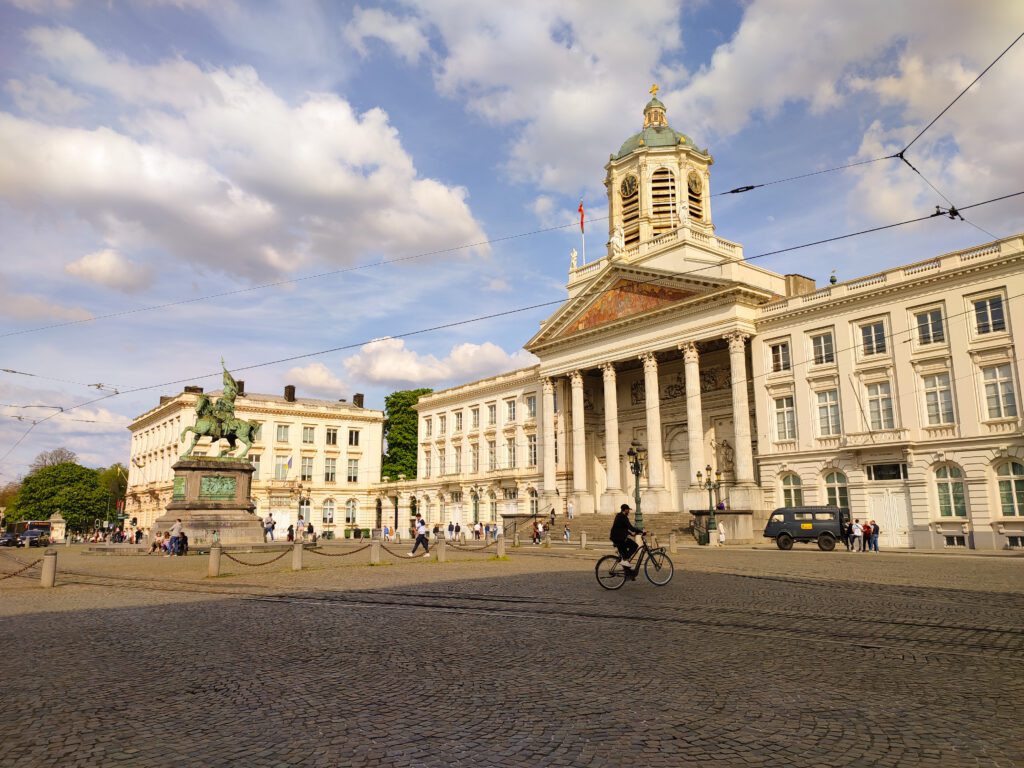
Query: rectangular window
(880, 413)
(510, 447)
(492, 414)
(328, 513)
(282, 433)
(510, 410)
(255, 459)
(531, 406)
(475, 418)
(492, 455)
(307, 468)
(442, 424)
(353, 470)
(882, 472)
(442, 465)
(280, 467)
(308, 433)
(330, 470)
(938, 398)
(823, 348)
(873, 338)
(531, 450)
(353, 437)
(828, 413)
(458, 421)
(956, 541)
(785, 418)
(428, 425)
(988, 313)
(474, 458)
(780, 357)
(458, 460)
(332, 435)
(952, 502)
(999, 396)
(929, 327)
(258, 434)
(426, 463)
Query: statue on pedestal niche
(218, 421)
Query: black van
(806, 524)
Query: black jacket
(621, 528)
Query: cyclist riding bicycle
(621, 529)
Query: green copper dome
(653, 136)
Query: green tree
(400, 427)
(60, 455)
(73, 489)
(114, 481)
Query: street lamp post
(711, 486)
(637, 457)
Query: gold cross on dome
(654, 90)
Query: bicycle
(657, 565)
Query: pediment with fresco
(625, 299)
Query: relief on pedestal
(217, 487)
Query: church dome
(656, 131)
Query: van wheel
(826, 542)
(784, 541)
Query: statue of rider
(224, 408)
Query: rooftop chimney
(289, 393)
(193, 390)
(241, 387)
(357, 399)
(798, 285)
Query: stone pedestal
(213, 494)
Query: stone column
(548, 416)
(694, 417)
(611, 427)
(744, 453)
(655, 462)
(579, 446)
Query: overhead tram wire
(504, 313)
(750, 187)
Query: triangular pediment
(624, 298)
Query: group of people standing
(861, 537)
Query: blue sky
(156, 152)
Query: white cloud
(217, 169)
(317, 378)
(498, 285)
(388, 361)
(43, 6)
(404, 36)
(26, 306)
(40, 95)
(111, 269)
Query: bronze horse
(207, 425)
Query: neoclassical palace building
(896, 395)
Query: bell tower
(657, 182)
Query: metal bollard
(442, 551)
(583, 540)
(213, 569)
(375, 552)
(500, 548)
(49, 575)
(672, 543)
(547, 541)
(297, 556)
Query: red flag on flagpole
(581, 215)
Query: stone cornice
(493, 385)
(250, 405)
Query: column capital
(608, 371)
(548, 385)
(690, 352)
(737, 341)
(576, 379)
(650, 361)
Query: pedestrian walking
(268, 527)
(300, 528)
(858, 537)
(566, 534)
(451, 530)
(291, 532)
(421, 538)
(487, 532)
(458, 532)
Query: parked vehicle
(35, 538)
(823, 525)
(9, 539)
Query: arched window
(328, 512)
(949, 485)
(492, 501)
(351, 511)
(663, 201)
(1011, 488)
(532, 494)
(475, 501)
(792, 491)
(835, 490)
(304, 509)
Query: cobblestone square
(747, 658)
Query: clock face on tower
(694, 182)
(628, 187)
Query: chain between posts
(391, 552)
(255, 565)
(472, 549)
(317, 551)
(18, 573)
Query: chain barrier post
(583, 539)
(672, 542)
(500, 549)
(442, 550)
(375, 552)
(213, 569)
(515, 539)
(297, 556)
(547, 541)
(49, 575)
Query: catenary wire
(499, 314)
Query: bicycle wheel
(610, 574)
(658, 568)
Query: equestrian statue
(218, 421)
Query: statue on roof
(218, 421)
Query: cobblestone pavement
(747, 658)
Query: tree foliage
(60, 455)
(72, 489)
(400, 432)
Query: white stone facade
(334, 448)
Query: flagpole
(583, 234)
